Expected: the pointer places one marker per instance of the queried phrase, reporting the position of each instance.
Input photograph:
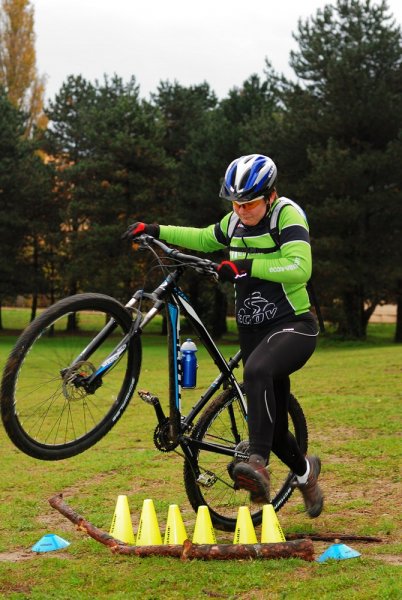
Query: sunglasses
(247, 205)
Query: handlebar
(203, 264)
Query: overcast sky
(222, 42)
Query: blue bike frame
(170, 297)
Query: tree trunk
(398, 330)
(367, 312)
(35, 265)
(34, 305)
(353, 321)
(72, 321)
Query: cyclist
(277, 331)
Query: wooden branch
(303, 549)
(81, 524)
(333, 537)
(188, 551)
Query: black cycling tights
(269, 359)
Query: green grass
(351, 394)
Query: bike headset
(248, 178)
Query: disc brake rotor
(72, 390)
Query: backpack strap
(232, 225)
(223, 237)
(274, 219)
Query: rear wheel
(46, 411)
(208, 481)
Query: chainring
(162, 440)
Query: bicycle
(62, 392)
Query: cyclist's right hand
(139, 228)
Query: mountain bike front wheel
(46, 411)
(208, 480)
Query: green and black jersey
(276, 290)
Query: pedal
(206, 479)
(153, 401)
(148, 397)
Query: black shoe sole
(247, 479)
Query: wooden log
(173, 550)
(303, 549)
(188, 551)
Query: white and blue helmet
(248, 177)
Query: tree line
(108, 157)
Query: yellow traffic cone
(121, 527)
(175, 531)
(244, 532)
(148, 533)
(203, 531)
(271, 531)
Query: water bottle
(188, 364)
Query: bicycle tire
(223, 501)
(44, 414)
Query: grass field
(351, 394)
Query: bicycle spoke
(52, 412)
(225, 424)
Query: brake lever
(142, 241)
(209, 268)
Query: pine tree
(344, 117)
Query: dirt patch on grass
(390, 559)
(82, 485)
(54, 521)
(16, 588)
(21, 555)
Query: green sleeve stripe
(192, 238)
(291, 265)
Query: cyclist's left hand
(139, 228)
(235, 270)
